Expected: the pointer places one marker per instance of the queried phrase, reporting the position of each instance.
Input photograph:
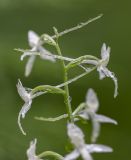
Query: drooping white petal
(31, 151)
(22, 114)
(98, 148)
(29, 65)
(85, 154)
(46, 55)
(110, 74)
(76, 135)
(102, 74)
(33, 38)
(95, 130)
(96, 120)
(91, 100)
(26, 108)
(104, 119)
(22, 92)
(72, 156)
(115, 83)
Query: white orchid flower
(102, 68)
(81, 149)
(27, 97)
(36, 45)
(31, 151)
(90, 112)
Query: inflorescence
(86, 111)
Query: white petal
(22, 92)
(101, 73)
(104, 119)
(105, 53)
(95, 130)
(103, 50)
(112, 76)
(26, 108)
(92, 101)
(33, 38)
(72, 156)
(31, 151)
(76, 135)
(22, 113)
(85, 154)
(29, 65)
(45, 54)
(98, 148)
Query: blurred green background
(114, 28)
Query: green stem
(51, 154)
(66, 95)
(79, 108)
(81, 25)
(64, 116)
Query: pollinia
(86, 111)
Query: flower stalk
(66, 88)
